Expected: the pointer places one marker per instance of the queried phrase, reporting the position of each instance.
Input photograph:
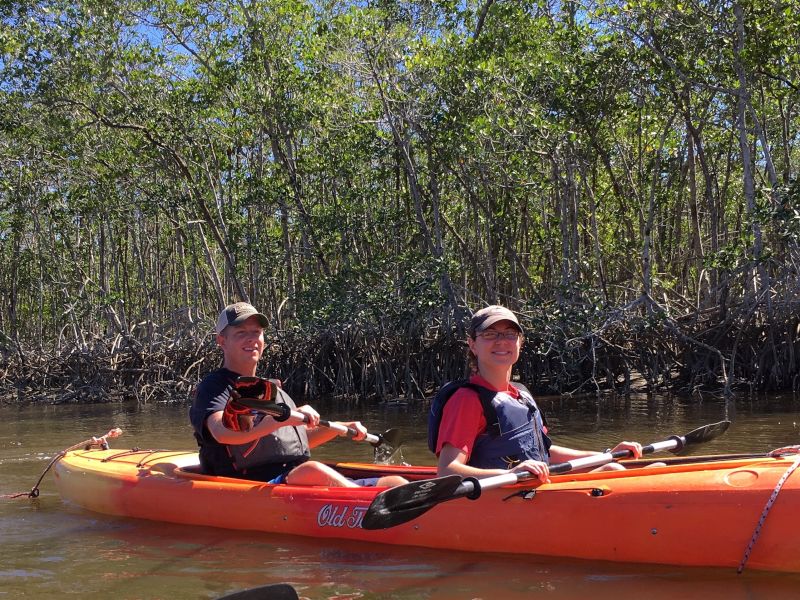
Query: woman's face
(497, 346)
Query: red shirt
(462, 418)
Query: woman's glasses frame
(493, 336)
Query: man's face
(242, 345)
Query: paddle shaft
(266, 390)
(406, 502)
(350, 432)
(473, 487)
(281, 412)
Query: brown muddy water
(49, 549)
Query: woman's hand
(537, 468)
(634, 447)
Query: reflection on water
(50, 549)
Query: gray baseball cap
(238, 313)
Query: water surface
(50, 549)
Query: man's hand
(361, 431)
(312, 417)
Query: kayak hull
(696, 513)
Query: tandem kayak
(710, 511)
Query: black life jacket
(284, 444)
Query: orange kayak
(698, 511)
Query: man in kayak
(272, 451)
(488, 425)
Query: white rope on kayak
(772, 498)
(92, 442)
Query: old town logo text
(333, 515)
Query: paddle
(275, 591)
(281, 412)
(407, 502)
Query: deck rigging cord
(92, 442)
(773, 497)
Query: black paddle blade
(703, 434)
(706, 433)
(405, 503)
(256, 387)
(387, 446)
(390, 437)
(276, 591)
(274, 409)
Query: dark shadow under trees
(569, 350)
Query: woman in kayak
(271, 450)
(489, 425)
